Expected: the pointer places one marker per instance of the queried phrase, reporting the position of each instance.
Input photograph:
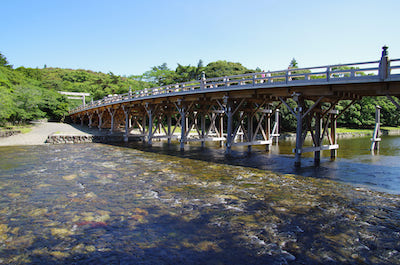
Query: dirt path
(41, 130)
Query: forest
(28, 94)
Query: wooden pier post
(150, 130)
(112, 114)
(268, 130)
(229, 128)
(275, 130)
(221, 128)
(203, 129)
(375, 137)
(249, 130)
(90, 120)
(334, 117)
(317, 135)
(299, 130)
(169, 127)
(127, 113)
(100, 115)
(183, 127)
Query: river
(134, 204)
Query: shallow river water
(110, 204)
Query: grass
(348, 130)
(23, 128)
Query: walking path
(42, 130)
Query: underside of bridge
(242, 113)
(238, 118)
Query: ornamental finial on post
(384, 64)
(385, 51)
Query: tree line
(31, 93)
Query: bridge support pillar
(90, 120)
(127, 111)
(275, 130)
(333, 133)
(317, 135)
(203, 129)
(375, 137)
(112, 114)
(221, 129)
(100, 115)
(183, 127)
(299, 134)
(169, 119)
(229, 128)
(249, 130)
(268, 131)
(144, 126)
(149, 111)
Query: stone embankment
(87, 138)
(8, 133)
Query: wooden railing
(340, 73)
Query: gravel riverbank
(40, 132)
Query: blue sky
(129, 37)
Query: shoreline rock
(85, 138)
(8, 133)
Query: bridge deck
(232, 106)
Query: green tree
(4, 62)
(159, 75)
(224, 68)
(293, 64)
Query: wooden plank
(318, 148)
(253, 143)
(208, 139)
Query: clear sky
(129, 37)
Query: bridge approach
(243, 110)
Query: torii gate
(75, 95)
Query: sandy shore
(41, 130)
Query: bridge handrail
(327, 73)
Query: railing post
(328, 73)
(202, 80)
(384, 64)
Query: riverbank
(347, 133)
(42, 130)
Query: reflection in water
(103, 204)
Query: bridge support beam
(229, 137)
(150, 112)
(182, 113)
(203, 129)
(100, 115)
(169, 122)
(375, 137)
(317, 134)
(305, 123)
(127, 111)
(112, 111)
(393, 101)
(299, 132)
(90, 120)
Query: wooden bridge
(244, 109)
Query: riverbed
(126, 204)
